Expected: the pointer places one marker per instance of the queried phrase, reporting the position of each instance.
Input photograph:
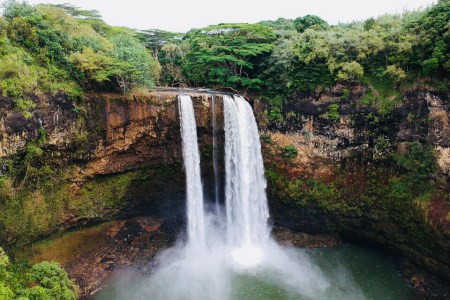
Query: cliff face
(109, 157)
(371, 177)
(381, 179)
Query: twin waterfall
(229, 253)
(245, 197)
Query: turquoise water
(352, 272)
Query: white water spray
(191, 156)
(214, 266)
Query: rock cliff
(381, 179)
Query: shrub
(290, 151)
(275, 115)
(350, 71)
(266, 139)
(52, 282)
(333, 112)
(33, 152)
(345, 94)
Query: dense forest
(66, 50)
(61, 48)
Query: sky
(183, 15)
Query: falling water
(247, 210)
(191, 156)
(247, 263)
(215, 162)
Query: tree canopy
(43, 281)
(63, 48)
(225, 55)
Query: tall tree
(225, 55)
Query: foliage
(290, 151)
(333, 111)
(46, 280)
(390, 49)
(279, 24)
(77, 12)
(350, 71)
(33, 152)
(382, 94)
(345, 94)
(226, 55)
(417, 162)
(62, 48)
(432, 30)
(155, 39)
(51, 282)
(396, 73)
(136, 67)
(310, 21)
(25, 105)
(171, 58)
(276, 108)
(94, 66)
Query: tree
(51, 282)
(225, 55)
(5, 291)
(396, 73)
(94, 66)
(310, 21)
(43, 281)
(77, 12)
(432, 50)
(171, 58)
(350, 71)
(136, 67)
(13, 9)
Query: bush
(345, 94)
(275, 115)
(350, 71)
(290, 151)
(333, 112)
(52, 281)
(43, 281)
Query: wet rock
(292, 238)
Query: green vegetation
(290, 151)
(398, 179)
(63, 49)
(312, 55)
(333, 112)
(35, 198)
(43, 281)
(226, 55)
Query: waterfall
(215, 162)
(191, 156)
(215, 263)
(246, 201)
